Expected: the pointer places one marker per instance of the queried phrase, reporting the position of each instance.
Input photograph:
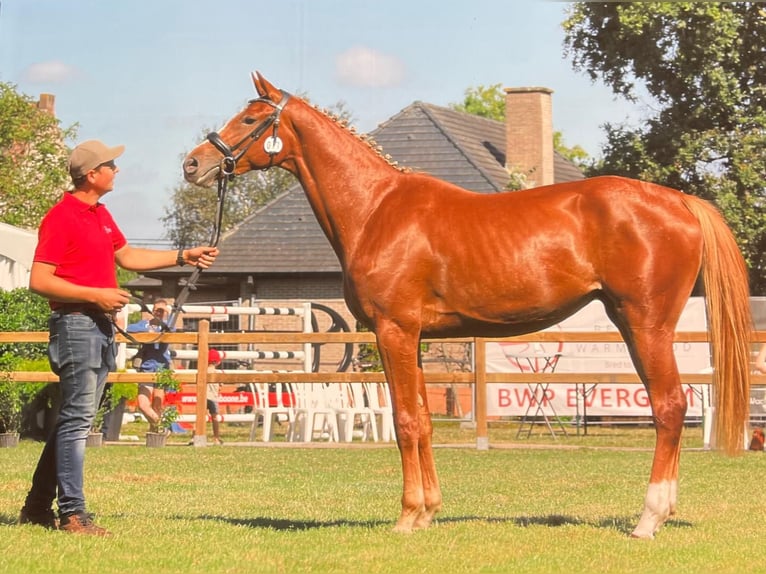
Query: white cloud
(368, 68)
(51, 72)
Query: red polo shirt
(80, 240)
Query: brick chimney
(529, 134)
(47, 103)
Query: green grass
(256, 509)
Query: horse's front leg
(399, 353)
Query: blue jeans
(81, 351)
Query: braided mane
(363, 137)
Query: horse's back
(527, 258)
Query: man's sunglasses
(110, 164)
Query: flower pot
(95, 439)
(156, 439)
(9, 439)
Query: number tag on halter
(272, 145)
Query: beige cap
(89, 155)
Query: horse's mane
(362, 137)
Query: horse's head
(250, 140)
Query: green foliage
(127, 391)
(168, 416)
(485, 101)
(11, 403)
(166, 379)
(33, 159)
(124, 276)
(699, 66)
(190, 217)
(22, 310)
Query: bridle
(272, 146)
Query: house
(280, 253)
(17, 247)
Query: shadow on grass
(285, 524)
(622, 524)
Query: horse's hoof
(403, 528)
(422, 523)
(642, 535)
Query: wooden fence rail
(480, 378)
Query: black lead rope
(191, 283)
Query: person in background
(152, 357)
(213, 393)
(74, 268)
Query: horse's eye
(248, 120)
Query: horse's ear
(256, 78)
(264, 88)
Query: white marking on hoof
(656, 509)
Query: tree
(33, 159)
(700, 65)
(190, 217)
(489, 102)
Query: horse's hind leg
(652, 351)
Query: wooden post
(200, 424)
(480, 380)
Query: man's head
(90, 156)
(160, 310)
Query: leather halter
(226, 174)
(229, 161)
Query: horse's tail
(730, 324)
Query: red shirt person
(74, 268)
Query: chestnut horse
(424, 258)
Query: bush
(10, 406)
(22, 310)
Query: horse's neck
(341, 175)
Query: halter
(272, 146)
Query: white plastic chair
(379, 399)
(351, 407)
(312, 414)
(269, 415)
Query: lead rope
(225, 176)
(165, 327)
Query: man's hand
(111, 300)
(203, 256)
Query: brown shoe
(81, 523)
(44, 518)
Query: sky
(154, 75)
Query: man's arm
(44, 282)
(141, 259)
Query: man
(151, 357)
(74, 268)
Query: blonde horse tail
(730, 325)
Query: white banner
(583, 357)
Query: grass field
(510, 509)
